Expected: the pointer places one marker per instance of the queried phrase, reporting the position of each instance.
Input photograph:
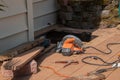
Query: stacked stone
(110, 14)
(89, 14)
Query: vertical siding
(21, 18)
(13, 24)
(13, 7)
(44, 12)
(42, 21)
(44, 7)
(12, 41)
(29, 4)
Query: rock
(90, 11)
(103, 25)
(115, 12)
(28, 69)
(118, 27)
(105, 14)
(6, 74)
(109, 7)
(107, 2)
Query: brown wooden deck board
(115, 75)
(89, 68)
(83, 68)
(78, 57)
(105, 36)
(110, 60)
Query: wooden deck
(104, 36)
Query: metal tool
(67, 62)
(70, 44)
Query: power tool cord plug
(108, 47)
(98, 58)
(105, 70)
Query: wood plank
(94, 68)
(64, 58)
(22, 59)
(110, 60)
(73, 30)
(46, 74)
(73, 68)
(48, 59)
(20, 49)
(115, 75)
(115, 49)
(54, 57)
(50, 50)
(106, 31)
(44, 30)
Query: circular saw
(69, 45)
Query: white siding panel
(44, 7)
(13, 7)
(30, 20)
(16, 22)
(42, 22)
(12, 25)
(13, 41)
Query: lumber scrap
(47, 50)
(45, 30)
(22, 59)
(9, 54)
(73, 30)
(28, 69)
(9, 67)
(6, 74)
(79, 69)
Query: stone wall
(89, 14)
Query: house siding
(16, 21)
(44, 12)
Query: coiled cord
(108, 47)
(98, 58)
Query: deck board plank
(104, 36)
(54, 57)
(85, 67)
(114, 75)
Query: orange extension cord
(57, 73)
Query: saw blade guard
(77, 40)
